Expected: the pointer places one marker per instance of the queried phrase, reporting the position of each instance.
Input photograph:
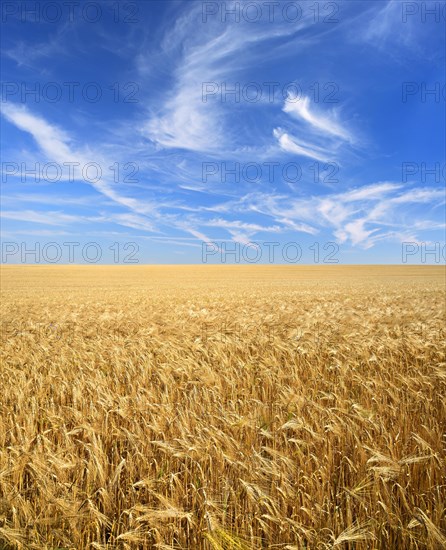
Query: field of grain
(223, 407)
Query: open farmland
(223, 407)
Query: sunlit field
(223, 407)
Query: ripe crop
(223, 407)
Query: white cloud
(421, 196)
(325, 135)
(47, 218)
(214, 52)
(385, 27)
(291, 145)
(370, 192)
(186, 122)
(356, 216)
(58, 147)
(53, 141)
(357, 233)
(326, 124)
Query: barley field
(223, 407)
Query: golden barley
(220, 407)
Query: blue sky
(195, 128)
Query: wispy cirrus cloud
(171, 132)
(358, 216)
(318, 135)
(58, 146)
(291, 144)
(56, 218)
(326, 124)
(208, 53)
